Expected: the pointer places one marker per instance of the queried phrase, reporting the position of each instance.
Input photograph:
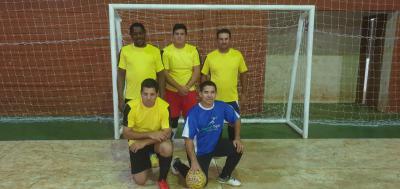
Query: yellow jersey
(224, 69)
(179, 63)
(139, 64)
(140, 118)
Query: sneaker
(154, 161)
(230, 181)
(173, 164)
(162, 184)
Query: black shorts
(140, 160)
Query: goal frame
(116, 45)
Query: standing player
(147, 130)
(182, 64)
(137, 62)
(224, 65)
(202, 132)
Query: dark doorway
(371, 54)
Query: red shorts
(178, 103)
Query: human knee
(139, 181)
(165, 149)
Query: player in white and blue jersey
(202, 133)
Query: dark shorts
(140, 161)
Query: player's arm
(232, 117)
(175, 84)
(138, 144)
(192, 156)
(205, 77)
(205, 71)
(243, 83)
(237, 142)
(195, 70)
(121, 78)
(120, 87)
(243, 78)
(161, 81)
(195, 77)
(156, 136)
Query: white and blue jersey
(204, 125)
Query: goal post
(303, 44)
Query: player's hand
(195, 166)
(137, 146)
(183, 91)
(238, 145)
(158, 136)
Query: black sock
(165, 163)
(182, 168)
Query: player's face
(138, 36)
(179, 37)
(223, 42)
(208, 95)
(149, 96)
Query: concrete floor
(270, 163)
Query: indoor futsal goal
(250, 25)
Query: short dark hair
(179, 26)
(207, 83)
(149, 83)
(223, 30)
(136, 24)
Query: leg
(141, 177)
(164, 152)
(181, 168)
(175, 108)
(140, 164)
(204, 162)
(225, 148)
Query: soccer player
(202, 133)
(181, 61)
(146, 122)
(223, 66)
(137, 62)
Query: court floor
(267, 163)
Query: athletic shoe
(173, 164)
(154, 161)
(230, 181)
(163, 184)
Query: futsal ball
(195, 179)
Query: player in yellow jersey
(224, 66)
(137, 62)
(146, 126)
(182, 67)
